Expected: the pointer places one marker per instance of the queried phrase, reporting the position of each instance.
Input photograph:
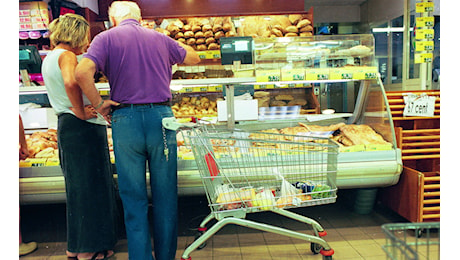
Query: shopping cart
(412, 241)
(246, 172)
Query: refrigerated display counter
(297, 64)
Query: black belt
(123, 105)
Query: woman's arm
(68, 62)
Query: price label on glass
(317, 74)
(423, 57)
(292, 74)
(365, 73)
(268, 75)
(424, 34)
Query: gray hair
(121, 10)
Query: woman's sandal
(105, 253)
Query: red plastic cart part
(322, 233)
(329, 252)
(190, 258)
(202, 229)
(212, 166)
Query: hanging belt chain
(165, 143)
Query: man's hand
(105, 109)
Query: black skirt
(90, 191)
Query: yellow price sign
(424, 46)
(317, 74)
(423, 57)
(424, 21)
(293, 74)
(268, 75)
(424, 34)
(365, 73)
(424, 7)
(341, 73)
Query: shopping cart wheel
(198, 235)
(315, 248)
(327, 257)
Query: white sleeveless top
(54, 83)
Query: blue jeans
(138, 137)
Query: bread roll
(284, 97)
(305, 34)
(277, 32)
(307, 28)
(200, 41)
(206, 27)
(297, 102)
(219, 34)
(179, 35)
(213, 46)
(230, 34)
(259, 94)
(278, 103)
(210, 40)
(196, 28)
(295, 18)
(208, 34)
(303, 23)
(217, 27)
(187, 27)
(190, 41)
(290, 35)
(291, 29)
(199, 35)
(201, 47)
(227, 27)
(188, 34)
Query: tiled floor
(351, 235)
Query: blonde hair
(72, 29)
(121, 10)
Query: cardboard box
(244, 110)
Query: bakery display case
(286, 69)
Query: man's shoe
(27, 248)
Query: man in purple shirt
(137, 61)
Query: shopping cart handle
(171, 123)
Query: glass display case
(282, 67)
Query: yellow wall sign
(423, 57)
(424, 21)
(424, 34)
(424, 7)
(424, 46)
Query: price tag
(341, 73)
(317, 74)
(186, 90)
(200, 89)
(416, 105)
(365, 73)
(424, 21)
(424, 34)
(268, 75)
(424, 46)
(423, 57)
(209, 55)
(424, 7)
(293, 74)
